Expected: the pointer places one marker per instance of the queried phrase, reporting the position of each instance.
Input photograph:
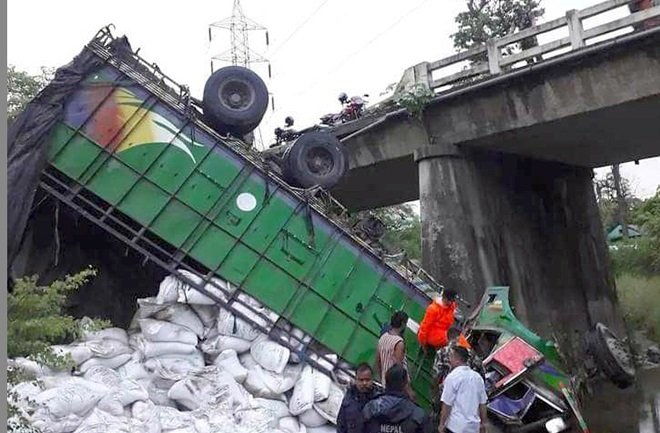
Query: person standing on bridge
(439, 317)
(393, 411)
(463, 397)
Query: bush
(640, 300)
(36, 320)
(635, 256)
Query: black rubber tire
(611, 364)
(240, 115)
(315, 158)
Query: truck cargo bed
(132, 154)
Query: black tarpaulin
(28, 135)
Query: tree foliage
(487, 19)
(36, 320)
(23, 87)
(403, 229)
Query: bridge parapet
(496, 57)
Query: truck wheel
(315, 158)
(611, 356)
(235, 100)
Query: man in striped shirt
(391, 347)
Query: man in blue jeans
(463, 397)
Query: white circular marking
(246, 202)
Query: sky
(318, 48)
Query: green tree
(23, 87)
(487, 19)
(37, 320)
(403, 229)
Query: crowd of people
(459, 390)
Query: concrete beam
(595, 107)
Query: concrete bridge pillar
(490, 218)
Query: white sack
(133, 369)
(159, 396)
(228, 361)
(174, 367)
(74, 398)
(162, 331)
(182, 315)
(100, 421)
(208, 385)
(290, 424)
(155, 349)
(113, 363)
(220, 343)
(103, 375)
(329, 408)
(78, 352)
(30, 367)
(172, 418)
(277, 408)
(270, 355)
(46, 424)
(215, 287)
(206, 313)
(323, 429)
(321, 385)
(108, 348)
(311, 418)
(115, 334)
(303, 392)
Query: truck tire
(315, 158)
(235, 100)
(611, 356)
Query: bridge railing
(497, 56)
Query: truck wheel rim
(236, 94)
(320, 161)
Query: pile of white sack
(184, 366)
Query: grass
(640, 300)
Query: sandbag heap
(185, 365)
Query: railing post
(494, 56)
(575, 30)
(423, 75)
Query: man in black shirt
(393, 411)
(349, 419)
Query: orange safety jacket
(437, 320)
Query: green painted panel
(361, 347)
(308, 310)
(267, 224)
(334, 272)
(144, 202)
(238, 264)
(234, 220)
(357, 290)
(335, 330)
(199, 193)
(76, 157)
(271, 285)
(59, 137)
(219, 170)
(375, 315)
(212, 247)
(175, 223)
(168, 171)
(392, 295)
(112, 181)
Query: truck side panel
(184, 184)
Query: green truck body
(134, 149)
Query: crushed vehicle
(528, 389)
(352, 109)
(129, 149)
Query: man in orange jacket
(437, 320)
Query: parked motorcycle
(352, 109)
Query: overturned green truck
(128, 149)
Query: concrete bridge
(503, 165)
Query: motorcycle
(352, 109)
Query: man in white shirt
(463, 397)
